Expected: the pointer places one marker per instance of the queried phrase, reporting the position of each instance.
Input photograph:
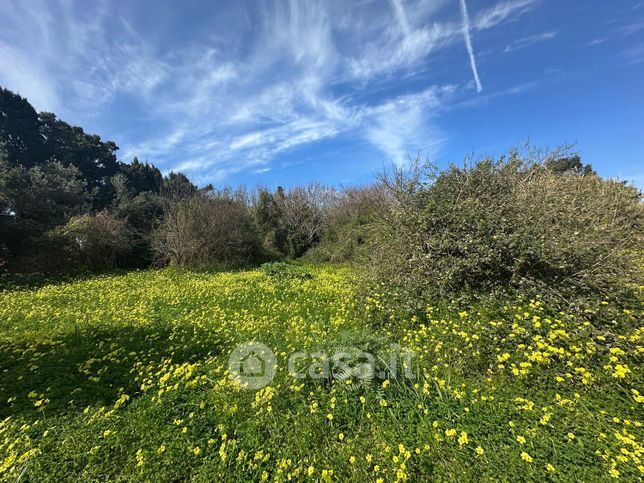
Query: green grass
(125, 377)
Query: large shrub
(348, 223)
(95, 241)
(268, 217)
(512, 222)
(208, 230)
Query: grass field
(125, 377)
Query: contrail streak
(468, 44)
(402, 16)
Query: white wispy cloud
(261, 80)
(625, 28)
(405, 127)
(58, 53)
(504, 11)
(598, 41)
(530, 40)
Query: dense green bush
(284, 271)
(507, 223)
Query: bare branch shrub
(302, 212)
(208, 229)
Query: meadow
(125, 377)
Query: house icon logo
(253, 364)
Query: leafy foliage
(51, 171)
(19, 129)
(568, 165)
(506, 223)
(70, 145)
(268, 215)
(285, 271)
(141, 177)
(143, 213)
(177, 186)
(35, 200)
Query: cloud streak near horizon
(250, 82)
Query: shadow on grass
(92, 366)
(25, 281)
(12, 280)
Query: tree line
(532, 220)
(67, 203)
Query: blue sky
(271, 92)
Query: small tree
(268, 216)
(302, 216)
(569, 165)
